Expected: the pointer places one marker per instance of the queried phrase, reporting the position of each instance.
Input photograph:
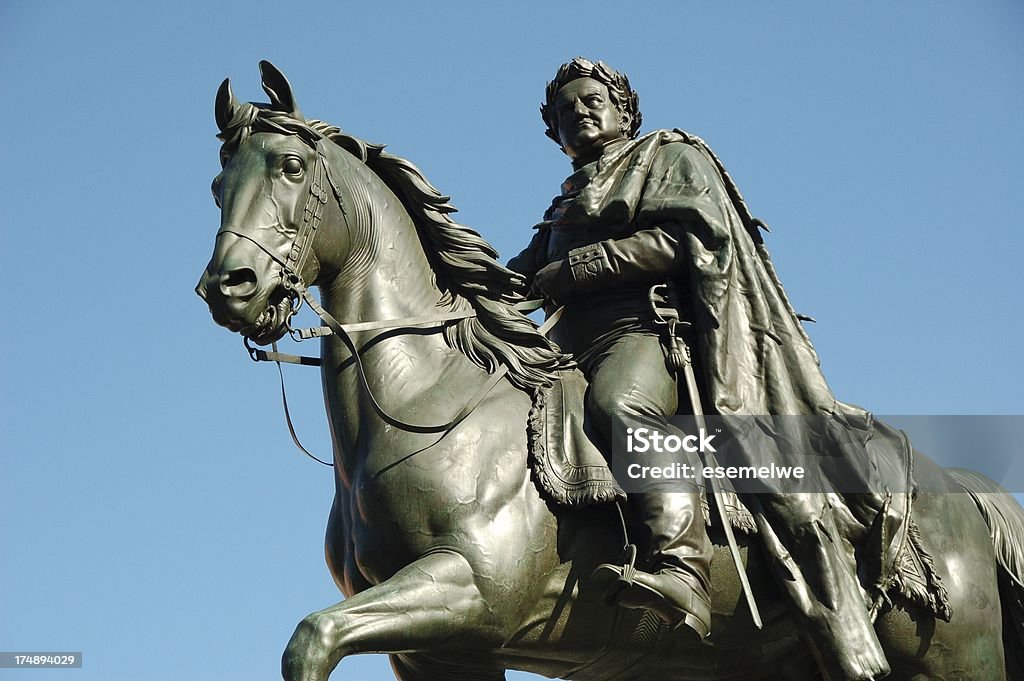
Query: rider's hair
(621, 94)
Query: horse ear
(225, 106)
(279, 89)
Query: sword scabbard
(716, 490)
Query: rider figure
(655, 210)
(611, 330)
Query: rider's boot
(813, 568)
(676, 589)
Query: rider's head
(611, 112)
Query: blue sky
(153, 513)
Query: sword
(681, 359)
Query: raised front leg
(432, 604)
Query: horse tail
(1005, 520)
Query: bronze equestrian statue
(456, 554)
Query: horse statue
(449, 557)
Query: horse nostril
(240, 283)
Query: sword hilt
(665, 308)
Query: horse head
(274, 191)
(304, 204)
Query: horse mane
(465, 266)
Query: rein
(334, 327)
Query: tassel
(678, 351)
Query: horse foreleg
(423, 667)
(433, 603)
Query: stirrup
(621, 587)
(688, 612)
(616, 578)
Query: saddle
(571, 470)
(878, 530)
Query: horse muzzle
(231, 297)
(243, 289)
(236, 304)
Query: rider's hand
(554, 281)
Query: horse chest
(405, 501)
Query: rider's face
(587, 119)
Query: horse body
(449, 558)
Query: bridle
(298, 292)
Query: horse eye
(291, 166)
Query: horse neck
(386, 276)
(386, 273)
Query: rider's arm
(681, 207)
(648, 256)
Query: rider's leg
(628, 381)
(677, 590)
